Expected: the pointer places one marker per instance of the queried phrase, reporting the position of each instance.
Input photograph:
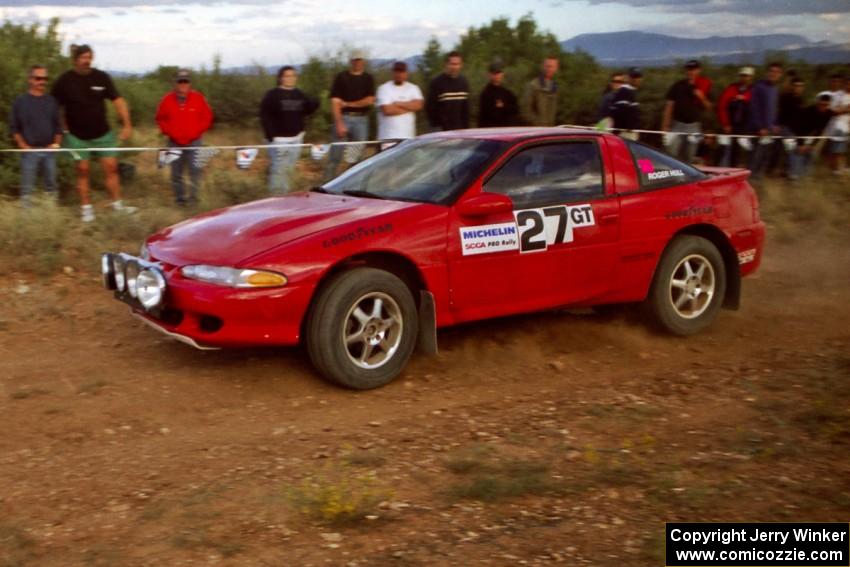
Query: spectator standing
(839, 126)
(497, 105)
(686, 101)
(541, 94)
(617, 80)
(811, 121)
(398, 102)
(34, 124)
(625, 108)
(733, 109)
(447, 105)
(183, 116)
(82, 92)
(791, 105)
(764, 111)
(283, 113)
(352, 95)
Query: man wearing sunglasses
(34, 124)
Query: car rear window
(655, 169)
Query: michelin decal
(534, 230)
(488, 238)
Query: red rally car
(447, 228)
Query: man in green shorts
(82, 92)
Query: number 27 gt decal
(541, 228)
(533, 230)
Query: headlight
(107, 272)
(131, 273)
(118, 270)
(144, 254)
(150, 288)
(233, 277)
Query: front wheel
(362, 329)
(689, 285)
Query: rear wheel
(689, 285)
(362, 329)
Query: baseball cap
(824, 96)
(693, 64)
(399, 66)
(496, 67)
(357, 54)
(635, 72)
(747, 71)
(183, 75)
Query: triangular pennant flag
(745, 143)
(353, 153)
(790, 144)
(694, 138)
(203, 157)
(319, 151)
(166, 157)
(724, 140)
(245, 157)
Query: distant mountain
(652, 49)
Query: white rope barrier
(193, 148)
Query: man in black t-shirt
(686, 101)
(352, 95)
(497, 106)
(82, 92)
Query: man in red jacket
(183, 116)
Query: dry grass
(338, 495)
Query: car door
(558, 244)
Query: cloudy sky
(138, 35)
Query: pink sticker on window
(646, 166)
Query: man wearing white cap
(733, 109)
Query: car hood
(227, 237)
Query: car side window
(657, 170)
(548, 174)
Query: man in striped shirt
(447, 104)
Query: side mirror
(484, 205)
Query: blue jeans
(281, 161)
(358, 130)
(760, 157)
(187, 160)
(680, 147)
(30, 163)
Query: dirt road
(559, 438)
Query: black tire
(362, 365)
(680, 265)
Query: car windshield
(422, 170)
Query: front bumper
(211, 316)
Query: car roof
(514, 134)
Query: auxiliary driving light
(107, 271)
(118, 269)
(150, 288)
(131, 272)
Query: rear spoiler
(723, 174)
